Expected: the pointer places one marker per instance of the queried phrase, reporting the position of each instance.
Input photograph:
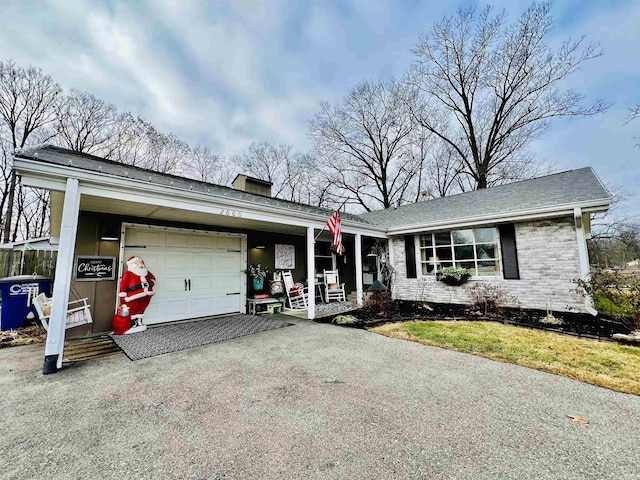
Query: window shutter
(410, 256)
(509, 251)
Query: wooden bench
(76, 315)
(252, 303)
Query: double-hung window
(475, 249)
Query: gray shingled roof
(83, 161)
(565, 188)
(560, 189)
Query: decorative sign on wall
(285, 257)
(90, 268)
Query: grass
(608, 365)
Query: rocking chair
(334, 290)
(297, 295)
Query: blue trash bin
(14, 292)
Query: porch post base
(50, 364)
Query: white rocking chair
(297, 299)
(333, 289)
(76, 315)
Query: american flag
(336, 230)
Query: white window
(475, 249)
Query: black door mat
(181, 336)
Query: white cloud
(231, 72)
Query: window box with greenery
(453, 275)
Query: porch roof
(44, 160)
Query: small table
(318, 288)
(252, 303)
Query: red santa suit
(136, 287)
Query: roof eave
(591, 206)
(53, 176)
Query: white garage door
(197, 274)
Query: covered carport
(107, 209)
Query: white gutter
(531, 214)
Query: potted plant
(453, 275)
(257, 274)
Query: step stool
(274, 308)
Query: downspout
(358, 263)
(583, 256)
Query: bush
(490, 297)
(379, 304)
(615, 294)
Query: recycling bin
(15, 293)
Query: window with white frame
(475, 249)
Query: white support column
(62, 284)
(311, 270)
(583, 256)
(358, 262)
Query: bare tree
(206, 166)
(28, 100)
(85, 123)
(164, 153)
(364, 143)
(489, 88)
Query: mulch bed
(578, 324)
(23, 336)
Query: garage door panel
(165, 311)
(148, 238)
(203, 263)
(202, 284)
(172, 286)
(231, 243)
(225, 284)
(178, 240)
(205, 241)
(227, 260)
(227, 304)
(178, 263)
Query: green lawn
(608, 365)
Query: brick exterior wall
(548, 262)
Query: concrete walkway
(308, 401)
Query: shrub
(490, 297)
(379, 304)
(615, 294)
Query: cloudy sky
(228, 73)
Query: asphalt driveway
(308, 401)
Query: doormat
(181, 336)
(88, 349)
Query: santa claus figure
(136, 290)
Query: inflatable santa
(136, 290)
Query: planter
(453, 276)
(258, 283)
(454, 282)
